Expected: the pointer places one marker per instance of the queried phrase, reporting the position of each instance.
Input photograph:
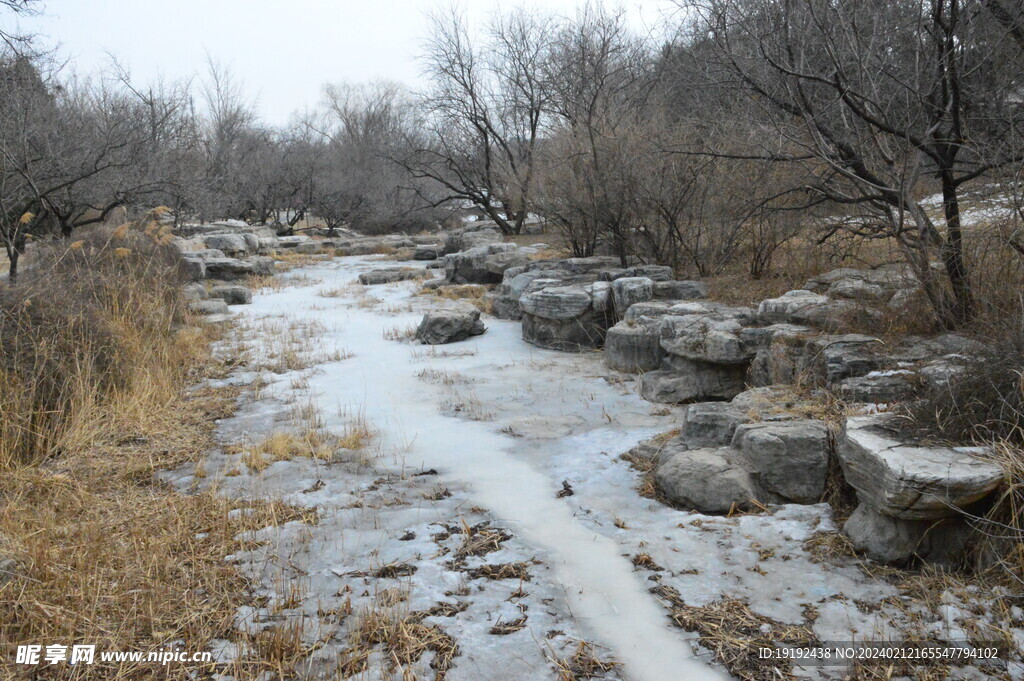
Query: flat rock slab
(910, 481)
(391, 275)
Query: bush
(984, 401)
(88, 322)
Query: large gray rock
(568, 318)
(232, 245)
(427, 252)
(633, 347)
(706, 480)
(232, 294)
(710, 424)
(207, 307)
(230, 269)
(391, 275)
(899, 541)
(449, 326)
(195, 291)
(194, 268)
(628, 291)
(680, 290)
(784, 308)
(880, 387)
(709, 338)
(687, 381)
(876, 285)
(464, 240)
(484, 264)
(789, 458)
(910, 481)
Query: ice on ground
(476, 439)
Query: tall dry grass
(94, 327)
(96, 352)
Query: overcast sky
(282, 50)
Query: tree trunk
(953, 254)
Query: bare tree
(485, 113)
(878, 96)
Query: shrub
(985, 400)
(88, 322)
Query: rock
(195, 291)
(465, 240)
(232, 294)
(232, 245)
(710, 424)
(633, 347)
(689, 381)
(484, 264)
(879, 387)
(628, 291)
(216, 319)
(705, 480)
(647, 310)
(449, 326)
(706, 338)
(569, 318)
(899, 541)
(680, 290)
(194, 268)
(784, 308)
(9, 570)
(839, 357)
(230, 269)
(207, 307)
(427, 252)
(652, 272)
(789, 458)
(909, 481)
(293, 241)
(309, 248)
(557, 302)
(391, 275)
(252, 243)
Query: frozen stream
(504, 425)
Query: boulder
(687, 381)
(788, 458)
(680, 290)
(899, 541)
(710, 424)
(711, 338)
(784, 308)
(879, 387)
(390, 275)
(208, 307)
(449, 326)
(570, 318)
(232, 294)
(295, 241)
(194, 268)
(464, 240)
(309, 248)
(484, 264)
(909, 481)
(195, 291)
(232, 245)
(706, 480)
(230, 269)
(627, 291)
(427, 252)
(633, 347)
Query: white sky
(283, 51)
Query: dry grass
(282, 344)
(734, 634)
(473, 294)
(583, 664)
(400, 333)
(400, 636)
